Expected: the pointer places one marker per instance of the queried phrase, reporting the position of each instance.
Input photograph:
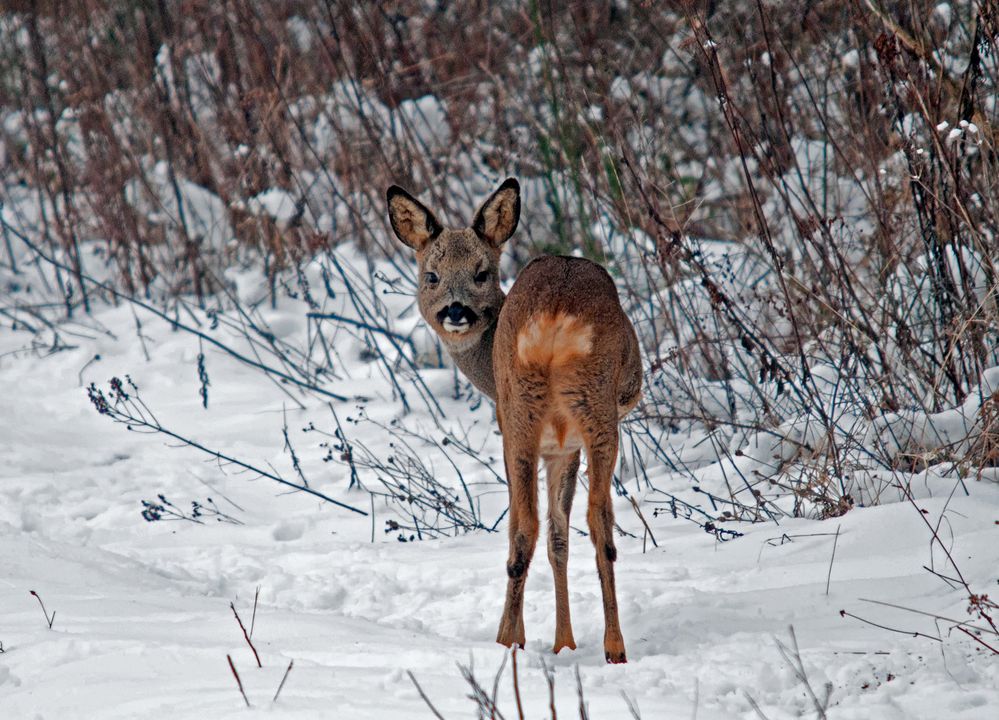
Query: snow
(278, 204)
(142, 620)
(427, 119)
(944, 12)
(203, 214)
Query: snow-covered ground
(142, 619)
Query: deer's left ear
(498, 217)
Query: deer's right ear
(412, 222)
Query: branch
(133, 419)
(174, 322)
(246, 635)
(239, 683)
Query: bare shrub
(800, 210)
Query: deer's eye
(481, 276)
(431, 278)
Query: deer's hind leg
(561, 478)
(521, 434)
(600, 433)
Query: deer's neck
(476, 362)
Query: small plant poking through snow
(239, 682)
(487, 704)
(246, 635)
(124, 406)
(49, 619)
(199, 513)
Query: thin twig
(239, 683)
(911, 633)
(253, 618)
(479, 694)
(91, 361)
(246, 635)
(793, 658)
(583, 714)
(496, 681)
(756, 708)
(550, 679)
(977, 639)
(48, 619)
(516, 683)
(283, 678)
(362, 325)
(638, 511)
(831, 559)
(932, 615)
(424, 696)
(632, 706)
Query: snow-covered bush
(800, 213)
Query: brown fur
(560, 359)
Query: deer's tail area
(552, 340)
(552, 347)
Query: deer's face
(458, 292)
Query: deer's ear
(412, 222)
(498, 217)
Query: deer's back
(562, 323)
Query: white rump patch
(553, 339)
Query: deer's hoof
(560, 645)
(615, 654)
(508, 638)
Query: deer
(560, 360)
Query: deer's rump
(560, 337)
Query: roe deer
(561, 361)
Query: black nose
(456, 312)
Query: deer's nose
(456, 312)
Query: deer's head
(459, 292)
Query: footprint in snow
(288, 530)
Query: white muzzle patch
(456, 327)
